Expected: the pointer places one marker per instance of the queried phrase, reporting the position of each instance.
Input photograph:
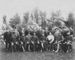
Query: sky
(11, 7)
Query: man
(37, 42)
(26, 32)
(7, 37)
(68, 38)
(39, 34)
(28, 39)
(43, 39)
(71, 31)
(58, 38)
(46, 32)
(50, 39)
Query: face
(43, 34)
(46, 29)
(34, 34)
(50, 33)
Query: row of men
(39, 41)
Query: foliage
(14, 21)
(55, 15)
(43, 19)
(36, 15)
(70, 20)
(5, 25)
(4, 20)
(38, 19)
(25, 18)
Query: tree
(36, 15)
(5, 25)
(43, 19)
(43, 15)
(15, 21)
(25, 18)
(31, 16)
(70, 20)
(4, 20)
(59, 23)
(55, 15)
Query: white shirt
(50, 38)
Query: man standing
(50, 39)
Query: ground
(35, 56)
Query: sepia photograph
(37, 29)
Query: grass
(36, 56)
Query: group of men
(57, 40)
